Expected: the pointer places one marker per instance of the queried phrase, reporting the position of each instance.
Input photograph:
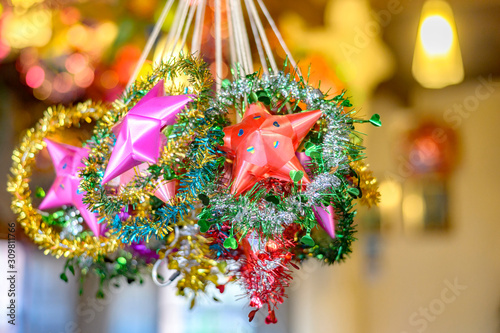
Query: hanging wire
(150, 42)
(218, 45)
(278, 35)
(176, 30)
(239, 42)
(262, 32)
(198, 27)
(247, 55)
(188, 25)
(232, 46)
(258, 42)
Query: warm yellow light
(24, 3)
(106, 33)
(413, 211)
(390, 193)
(436, 35)
(29, 28)
(437, 61)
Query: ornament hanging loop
(154, 272)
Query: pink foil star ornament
(122, 181)
(326, 218)
(304, 160)
(264, 145)
(65, 190)
(324, 215)
(138, 133)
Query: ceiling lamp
(437, 61)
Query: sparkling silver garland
(339, 124)
(73, 225)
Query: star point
(326, 218)
(166, 190)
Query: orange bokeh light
(76, 63)
(109, 79)
(62, 82)
(84, 78)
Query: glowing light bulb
(436, 35)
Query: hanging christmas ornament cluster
(291, 167)
(169, 181)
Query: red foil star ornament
(264, 145)
(65, 190)
(138, 133)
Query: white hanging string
(192, 10)
(262, 32)
(184, 7)
(258, 43)
(170, 35)
(218, 45)
(198, 27)
(278, 35)
(245, 43)
(149, 43)
(239, 44)
(232, 47)
(154, 272)
(238, 64)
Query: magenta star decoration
(326, 218)
(65, 191)
(138, 133)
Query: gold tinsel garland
(367, 183)
(191, 259)
(45, 236)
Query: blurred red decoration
(432, 148)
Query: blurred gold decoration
(367, 183)
(350, 41)
(437, 61)
(31, 27)
(25, 3)
(46, 236)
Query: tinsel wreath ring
(45, 236)
(191, 148)
(329, 148)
